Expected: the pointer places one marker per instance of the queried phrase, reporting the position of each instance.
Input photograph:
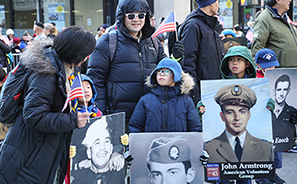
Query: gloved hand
(204, 158)
(177, 50)
(293, 118)
(125, 140)
(72, 151)
(128, 158)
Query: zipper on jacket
(166, 124)
(142, 74)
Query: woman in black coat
(36, 147)
(4, 49)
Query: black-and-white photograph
(166, 158)
(99, 153)
(283, 91)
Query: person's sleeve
(193, 119)
(138, 118)
(4, 47)
(38, 101)
(260, 36)
(191, 40)
(98, 69)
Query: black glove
(178, 50)
(293, 118)
(204, 158)
(128, 159)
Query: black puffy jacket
(39, 140)
(204, 49)
(120, 84)
(4, 49)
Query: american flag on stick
(75, 91)
(167, 25)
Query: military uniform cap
(236, 95)
(92, 132)
(169, 150)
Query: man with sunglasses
(120, 82)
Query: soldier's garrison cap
(169, 150)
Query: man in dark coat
(120, 82)
(36, 147)
(204, 49)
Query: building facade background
(90, 14)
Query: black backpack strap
(112, 44)
(156, 45)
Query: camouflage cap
(236, 95)
(169, 150)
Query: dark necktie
(238, 148)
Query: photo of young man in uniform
(236, 144)
(161, 158)
(102, 164)
(283, 91)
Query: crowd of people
(157, 93)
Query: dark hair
(270, 3)
(187, 165)
(73, 44)
(283, 78)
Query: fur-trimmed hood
(186, 83)
(37, 57)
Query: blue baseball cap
(266, 58)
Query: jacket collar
(274, 13)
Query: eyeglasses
(131, 16)
(165, 72)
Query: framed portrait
(283, 91)
(237, 128)
(170, 157)
(99, 153)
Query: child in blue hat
(167, 107)
(265, 59)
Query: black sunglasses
(131, 16)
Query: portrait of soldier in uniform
(284, 97)
(163, 158)
(236, 144)
(169, 161)
(103, 165)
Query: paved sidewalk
(289, 170)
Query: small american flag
(167, 25)
(75, 91)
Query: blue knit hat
(171, 64)
(204, 3)
(266, 58)
(229, 32)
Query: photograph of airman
(166, 158)
(236, 140)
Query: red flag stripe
(164, 28)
